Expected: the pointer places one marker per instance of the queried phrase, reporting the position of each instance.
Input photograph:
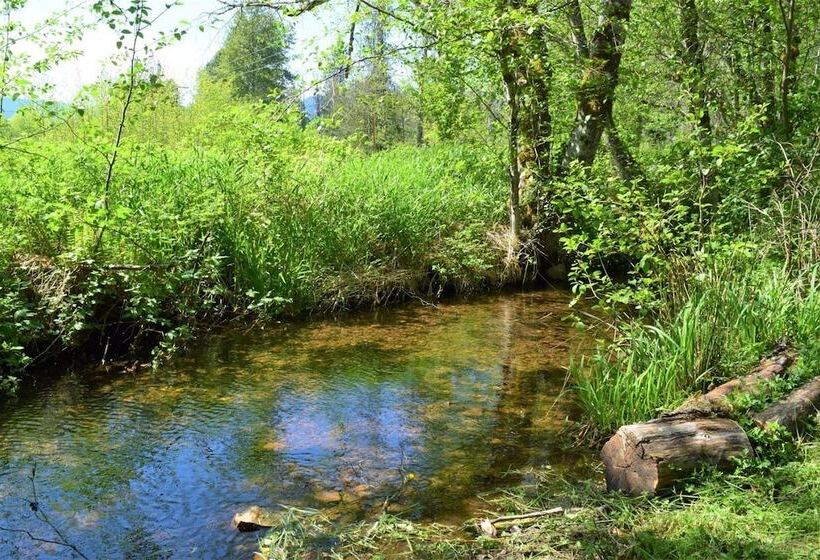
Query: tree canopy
(254, 57)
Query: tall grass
(714, 326)
(241, 214)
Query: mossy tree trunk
(694, 64)
(596, 92)
(788, 59)
(526, 73)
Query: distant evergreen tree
(255, 55)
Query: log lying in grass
(715, 403)
(645, 458)
(768, 369)
(795, 410)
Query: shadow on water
(420, 407)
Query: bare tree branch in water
(34, 505)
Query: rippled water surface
(423, 407)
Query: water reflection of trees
(451, 396)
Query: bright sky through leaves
(181, 61)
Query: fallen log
(795, 410)
(768, 369)
(645, 458)
(715, 402)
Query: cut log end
(646, 458)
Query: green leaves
(253, 58)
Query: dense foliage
(246, 214)
(663, 153)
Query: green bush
(623, 236)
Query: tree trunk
(762, 86)
(646, 458)
(596, 91)
(420, 115)
(511, 88)
(769, 74)
(350, 42)
(624, 163)
(795, 410)
(789, 62)
(524, 63)
(579, 35)
(626, 166)
(536, 131)
(692, 55)
(526, 73)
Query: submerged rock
(362, 491)
(253, 519)
(328, 496)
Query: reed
(239, 218)
(717, 326)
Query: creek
(420, 407)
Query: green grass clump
(717, 326)
(772, 515)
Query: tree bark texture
(795, 410)
(694, 62)
(596, 91)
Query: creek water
(420, 407)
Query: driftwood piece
(795, 410)
(531, 515)
(490, 527)
(645, 458)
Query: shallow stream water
(417, 407)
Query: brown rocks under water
(328, 496)
(253, 519)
